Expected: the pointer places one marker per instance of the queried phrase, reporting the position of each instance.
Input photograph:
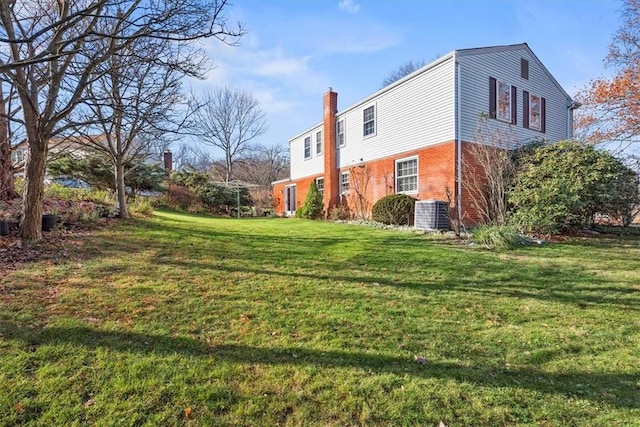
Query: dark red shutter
(543, 115)
(525, 109)
(492, 97)
(514, 105)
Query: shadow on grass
(616, 389)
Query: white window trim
(375, 121)
(509, 116)
(304, 147)
(320, 178)
(319, 153)
(531, 126)
(406, 159)
(342, 174)
(344, 133)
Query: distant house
(81, 146)
(411, 136)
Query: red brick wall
(376, 179)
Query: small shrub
(395, 209)
(142, 206)
(313, 205)
(180, 197)
(339, 213)
(498, 237)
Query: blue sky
(295, 50)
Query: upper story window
(320, 184)
(369, 121)
(340, 139)
(502, 101)
(407, 176)
(344, 182)
(318, 142)
(307, 147)
(534, 112)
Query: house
(413, 136)
(82, 146)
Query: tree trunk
(121, 191)
(7, 183)
(35, 170)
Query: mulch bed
(15, 253)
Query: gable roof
(512, 47)
(453, 54)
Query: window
(407, 176)
(17, 156)
(320, 184)
(344, 182)
(340, 130)
(524, 68)
(369, 121)
(318, 142)
(502, 101)
(307, 147)
(534, 112)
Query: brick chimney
(331, 175)
(168, 161)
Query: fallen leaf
(188, 412)
(89, 403)
(18, 408)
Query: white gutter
(458, 144)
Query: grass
(186, 320)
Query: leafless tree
(54, 50)
(134, 107)
(359, 179)
(8, 109)
(263, 165)
(192, 157)
(228, 119)
(489, 167)
(402, 71)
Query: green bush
(313, 205)
(560, 187)
(498, 237)
(395, 209)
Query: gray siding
(417, 112)
(476, 66)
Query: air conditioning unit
(431, 215)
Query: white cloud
(349, 6)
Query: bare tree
(192, 157)
(489, 167)
(359, 179)
(55, 49)
(7, 169)
(134, 105)
(402, 71)
(228, 119)
(263, 165)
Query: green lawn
(185, 320)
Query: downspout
(458, 144)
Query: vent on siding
(431, 215)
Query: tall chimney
(331, 175)
(168, 162)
